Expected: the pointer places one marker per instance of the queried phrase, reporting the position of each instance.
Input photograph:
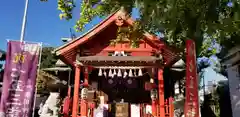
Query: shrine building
(122, 80)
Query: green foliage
(41, 83)
(48, 59)
(180, 19)
(133, 34)
(66, 7)
(2, 58)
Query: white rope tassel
(105, 73)
(135, 73)
(114, 72)
(110, 74)
(130, 73)
(100, 72)
(140, 72)
(125, 74)
(119, 73)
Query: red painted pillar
(84, 108)
(171, 107)
(154, 108)
(76, 91)
(84, 101)
(161, 92)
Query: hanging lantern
(119, 73)
(130, 73)
(110, 74)
(100, 72)
(84, 93)
(140, 72)
(153, 94)
(105, 73)
(125, 74)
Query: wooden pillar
(154, 108)
(84, 101)
(76, 91)
(154, 93)
(161, 93)
(171, 107)
(84, 108)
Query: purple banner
(19, 80)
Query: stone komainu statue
(51, 107)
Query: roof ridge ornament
(119, 21)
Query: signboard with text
(19, 79)
(191, 107)
(121, 110)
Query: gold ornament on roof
(132, 34)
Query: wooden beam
(140, 64)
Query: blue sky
(43, 24)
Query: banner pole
(24, 21)
(38, 70)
